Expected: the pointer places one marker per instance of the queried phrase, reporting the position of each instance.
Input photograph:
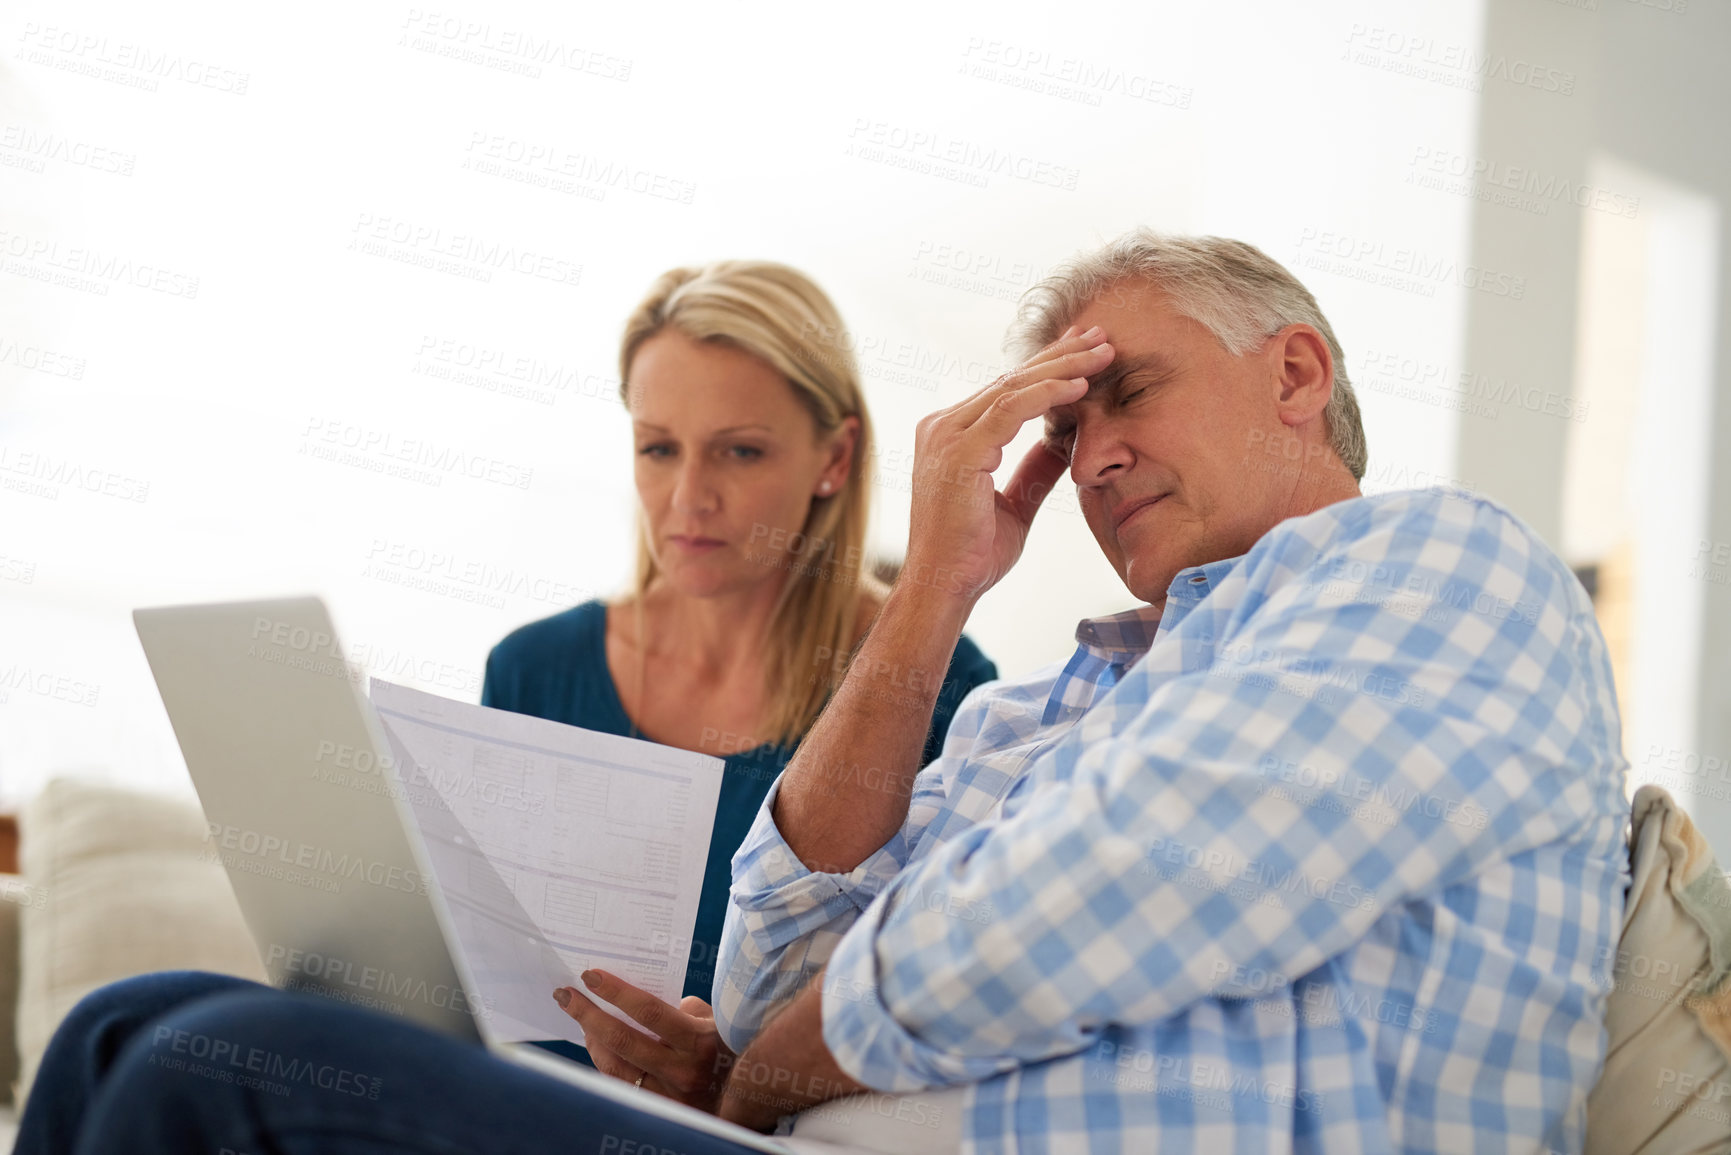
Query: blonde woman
(752, 443)
(753, 447)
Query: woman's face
(729, 461)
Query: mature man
(1318, 848)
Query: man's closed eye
(1061, 441)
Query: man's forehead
(1129, 303)
(1139, 315)
(1124, 366)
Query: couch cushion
(1666, 1087)
(14, 896)
(123, 883)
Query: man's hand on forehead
(1123, 375)
(1055, 421)
(961, 526)
(1099, 361)
(1060, 419)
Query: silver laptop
(335, 884)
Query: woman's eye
(1132, 395)
(656, 450)
(745, 452)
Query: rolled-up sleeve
(784, 920)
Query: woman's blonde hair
(778, 315)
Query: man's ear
(1303, 373)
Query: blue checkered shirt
(1329, 856)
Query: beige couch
(110, 883)
(116, 883)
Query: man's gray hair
(1234, 290)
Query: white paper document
(555, 849)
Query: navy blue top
(557, 668)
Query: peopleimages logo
(548, 165)
(381, 450)
(299, 855)
(134, 65)
(341, 764)
(226, 1061)
(1248, 880)
(330, 972)
(1182, 1076)
(43, 259)
(1480, 176)
(1455, 65)
(47, 684)
(1037, 69)
(465, 254)
(1403, 375)
(40, 360)
(1399, 267)
(937, 153)
(505, 48)
(37, 148)
(1387, 796)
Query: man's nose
(1097, 454)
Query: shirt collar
(1129, 634)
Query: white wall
(790, 132)
(1629, 307)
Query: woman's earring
(823, 488)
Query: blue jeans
(183, 1061)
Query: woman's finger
(666, 1022)
(610, 1064)
(621, 1039)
